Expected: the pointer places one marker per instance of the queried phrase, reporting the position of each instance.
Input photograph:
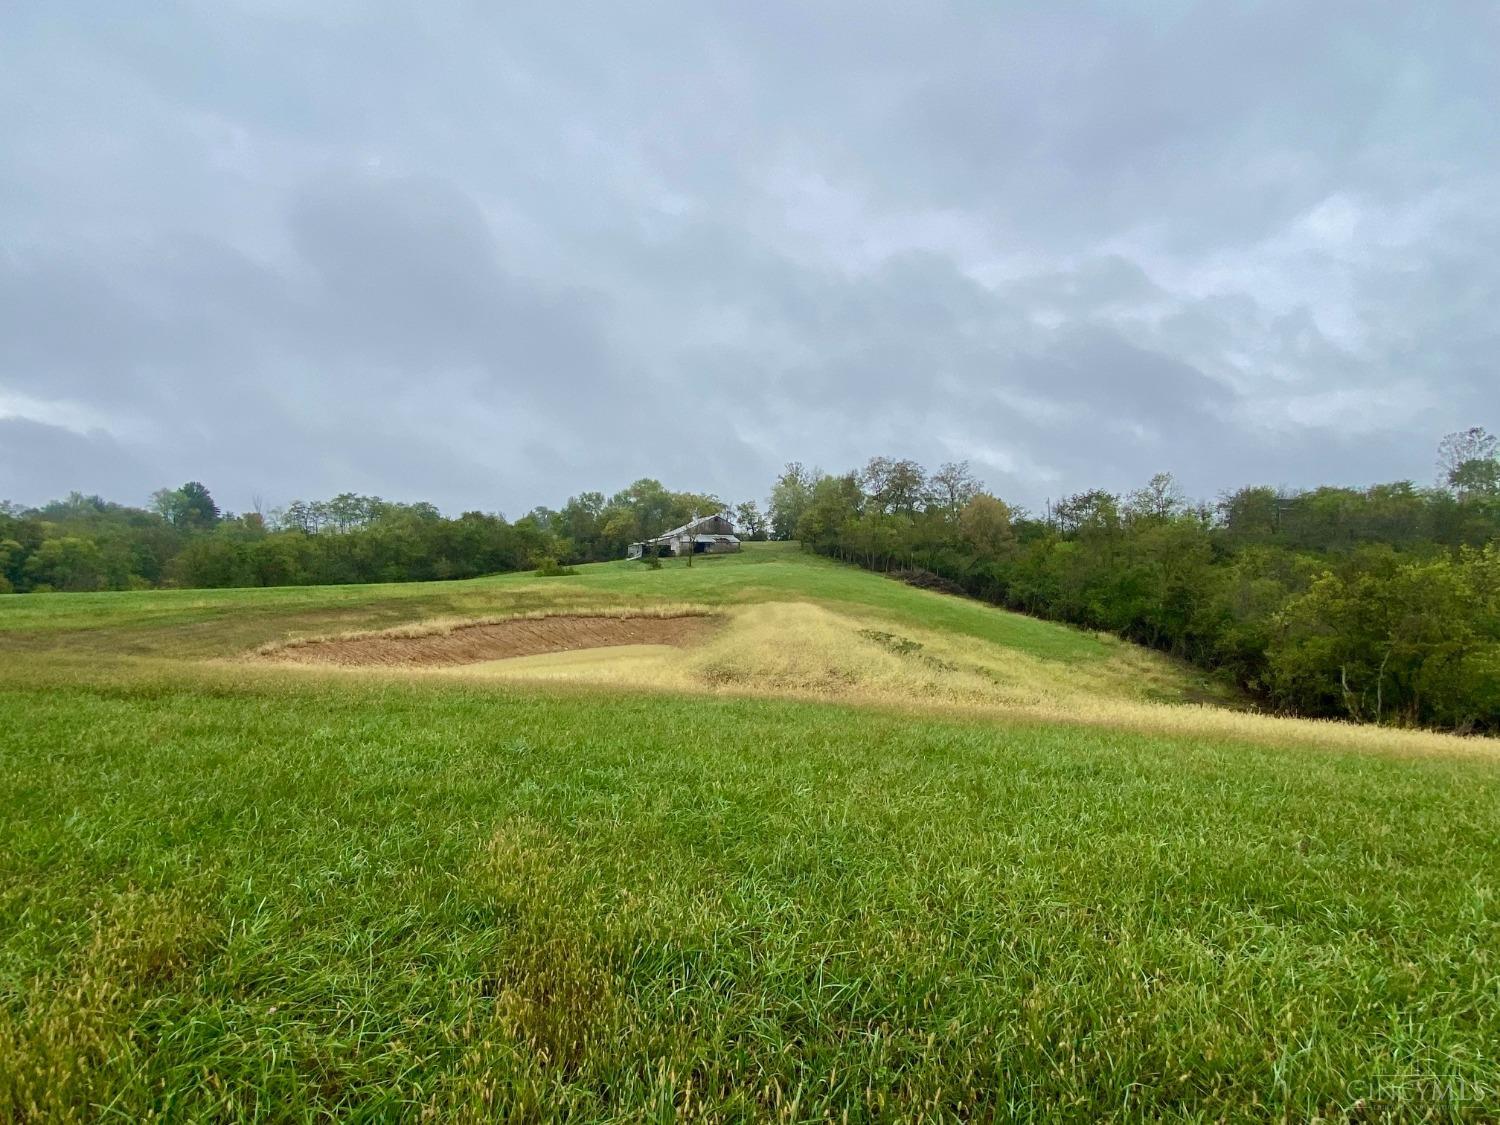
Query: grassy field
(223, 622)
(986, 868)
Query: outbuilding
(703, 535)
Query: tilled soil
(471, 644)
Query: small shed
(703, 535)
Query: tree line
(87, 543)
(1378, 604)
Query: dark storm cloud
(490, 257)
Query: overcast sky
(492, 255)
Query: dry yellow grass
(803, 650)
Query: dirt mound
(495, 640)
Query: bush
(550, 568)
(652, 562)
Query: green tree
(655, 508)
(894, 485)
(68, 563)
(1478, 476)
(984, 524)
(953, 486)
(790, 497)
(622, 526)
(1469, 460)
(1160, 499)
(1400, 642)
(1095, 512)
(1250, 515)
(581, 521)
(190, 507)
(748, 519)
(835, 503)
(213, 561)
(12, 563)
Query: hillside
(792, 625)
(828, 843)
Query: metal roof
(683, 530)
(716, 538)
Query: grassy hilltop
(862, 849)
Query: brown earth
(499, 640)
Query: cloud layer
(491, 258)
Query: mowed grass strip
(294, 898)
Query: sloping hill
(859, 852)
(790, 624)
(170, 622)
(787, 623)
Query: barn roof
(669, 537)
(693, 524)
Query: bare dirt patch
(495, 640)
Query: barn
(705, 535)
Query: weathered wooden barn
(706, 535)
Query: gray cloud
(37, 459)
(491, 258)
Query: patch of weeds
(720, 673)
(905, 646)
(554, 990)
(73, 1041)
(901, 646)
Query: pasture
(857, 852)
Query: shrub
(550, 568)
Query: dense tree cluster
(1376, 604)
(87, 543)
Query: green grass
(290, 896)
(221, 622)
